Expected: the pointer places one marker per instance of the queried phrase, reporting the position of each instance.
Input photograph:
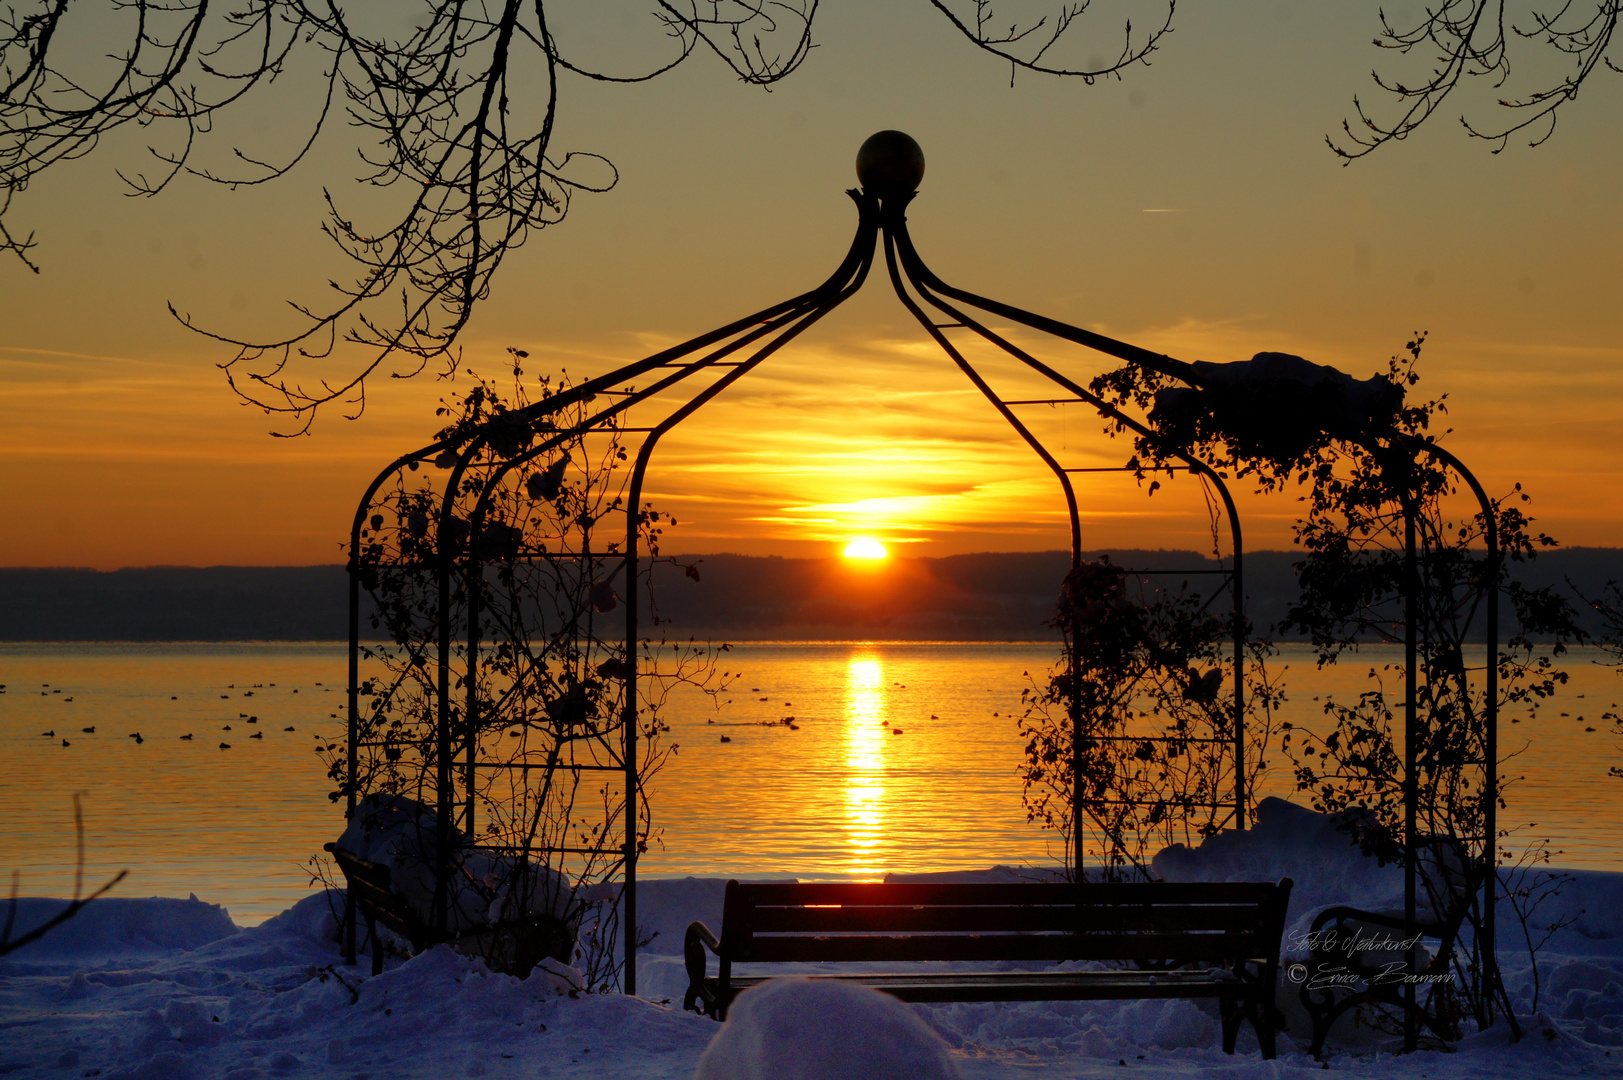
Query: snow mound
(1287, 840)
(817, 1029)
(665, 907)
(1591, 902)
(1275, 405)
(121, 926)
(401, 833)
(315, 918)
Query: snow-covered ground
(166, 989)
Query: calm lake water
(842, 797)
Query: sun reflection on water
(866, 730)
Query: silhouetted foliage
(533, 538)
(1362, 481)
(1152, 696)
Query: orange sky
(1191, 208)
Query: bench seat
(1187, 940)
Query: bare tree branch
(453, 120)
(1466, 39)
(8, 944)
(1026, 43)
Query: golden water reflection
(867, 729)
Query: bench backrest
(1216, 922)
(371, 886)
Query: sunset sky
(1192, 207)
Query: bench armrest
(699, 932)
(693, 945)
(1330, 923)
(1340, 912)
(1424, 927)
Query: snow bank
(1591, 902)
(121, 926)
(665, 907)
(1287, 840)
(811, 1029)
(169, 990)
(276, 1001)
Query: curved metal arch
(922, 279)
(785, 326)
(777, 324)
(778, 331)
(1490, 751)
(879, 218)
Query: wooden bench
(1230, 930)
(371, 891)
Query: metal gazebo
(459, 539)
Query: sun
(865, 547)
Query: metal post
(473, 581)
(1237, 588)
(628, 897)
(351, 758)
(1490, 812)
(352, 763)
(442, 732)
(1490, 816)
(924, 280)
(1411, 732)
(1075, 703)
(856, 263)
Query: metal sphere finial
(890, 163)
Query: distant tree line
(993, 597)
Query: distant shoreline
(995, 597)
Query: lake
(841, 797)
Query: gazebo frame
(720, 358)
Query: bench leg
(346, 931)
(376, 945)
(1231, 1014)
(1322, 1015)
(1264, 1020)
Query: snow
(803, 1029)
(167, 989)
(1277, 404)
(400, 833)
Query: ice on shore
(166, 989)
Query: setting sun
(864, 547)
